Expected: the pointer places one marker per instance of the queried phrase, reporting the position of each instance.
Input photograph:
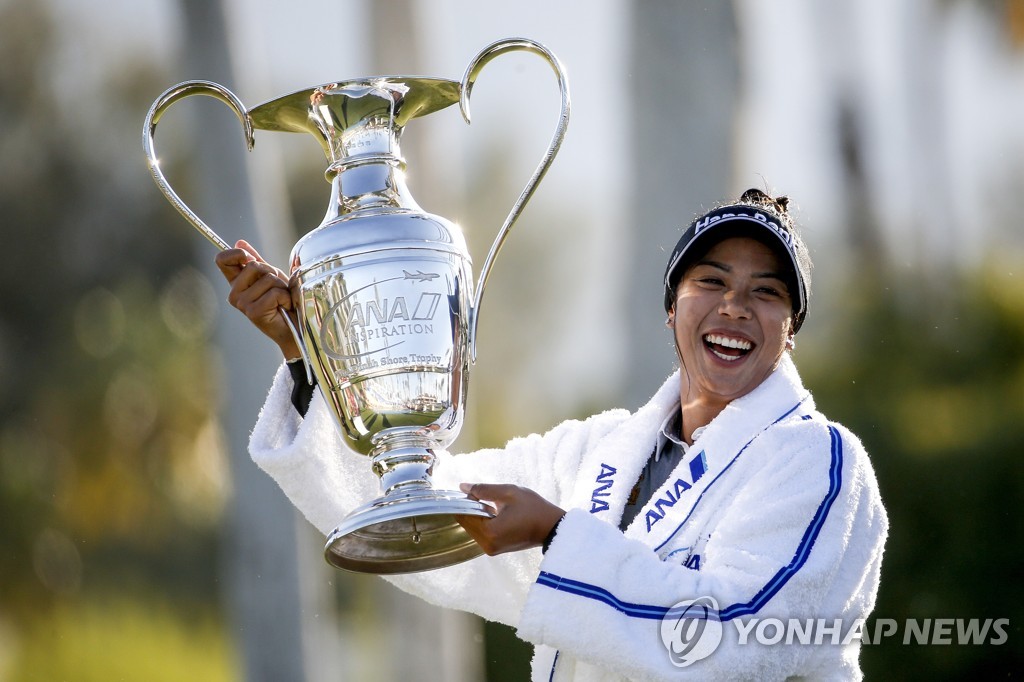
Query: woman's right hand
(260, 291)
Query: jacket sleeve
(325, 481)
(800, 537)
(306, 458)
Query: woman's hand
(524, 518)
(261, 292)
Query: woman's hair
(778, 205)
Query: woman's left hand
(523, 518)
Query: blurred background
(138, 540)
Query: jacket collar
(609, 471)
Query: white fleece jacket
(774, 513)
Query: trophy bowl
(384, 310)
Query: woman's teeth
(716, 344)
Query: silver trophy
(385, 302)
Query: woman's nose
(735, 304)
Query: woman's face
(732, 318)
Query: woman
(727, 491)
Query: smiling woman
(726, 499)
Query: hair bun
(755, 196)
(759, 198)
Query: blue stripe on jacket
(762, 597)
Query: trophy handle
(217, 91)
(472, 71)
(172, 95)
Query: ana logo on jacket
(603, 490)
(698, 466)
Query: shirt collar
(670, 432)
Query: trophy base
(406, 532)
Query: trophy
(384, 298)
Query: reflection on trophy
(383, 292)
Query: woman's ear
(671, 319)
(791, 334)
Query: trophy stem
(405, 468)
(412, 526)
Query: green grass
(121, 640)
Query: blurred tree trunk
(260, 545)
(435, 643)
(684, 87)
